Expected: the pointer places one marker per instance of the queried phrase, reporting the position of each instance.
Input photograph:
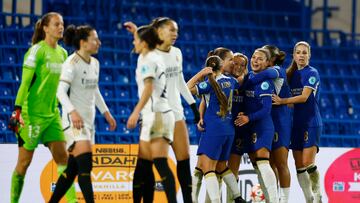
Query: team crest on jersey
(306, 136)
(203, 85)
(276, 137)
(254, 138)
(312, 80)
(265, 86)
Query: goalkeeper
(36, 117)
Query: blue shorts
(216, 147)
(257, 139)
(239, 140)
(305, 137)
(282, 136)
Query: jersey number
(230, 100)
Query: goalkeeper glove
(14, 122)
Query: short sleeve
(148, 70)
(265, 89)
(203, 87)
(311, 80)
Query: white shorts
(179, 115)
(73, 135)
(157, 124)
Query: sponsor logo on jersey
(296, 91)
(172, 71)
(89, 83)
(250, 93)
(54, 67)
(265, 85)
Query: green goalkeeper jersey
(40, 79)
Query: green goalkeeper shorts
(38, 129)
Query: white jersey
(83, 91)
(175, 82)
(151, 66)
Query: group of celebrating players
(241, 111)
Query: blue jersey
(237, 102)
(214, 124)
(281, 114)
(237, 107)
(254, 103)
(258, 103)
(218, 137)
(306, 114)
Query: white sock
(284, 194)
(315, 182)
(305, 184)
(207, 198)
(196, 184)
(261, 182)
(231, 183)
(212, 187)
(269, 179)
(229, 196)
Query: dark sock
(184, 177)
(142, 172)
(149, 182)
(84, 162)
(167, 178)
(65, 180)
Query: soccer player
(79, 77)
(36, 117)
(158, 120)
(215, 143)
(222, 170)
(281, 119)
(240, 64)
(304, 83)
(172, 57)
(258, 140)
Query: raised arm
(196, 78)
